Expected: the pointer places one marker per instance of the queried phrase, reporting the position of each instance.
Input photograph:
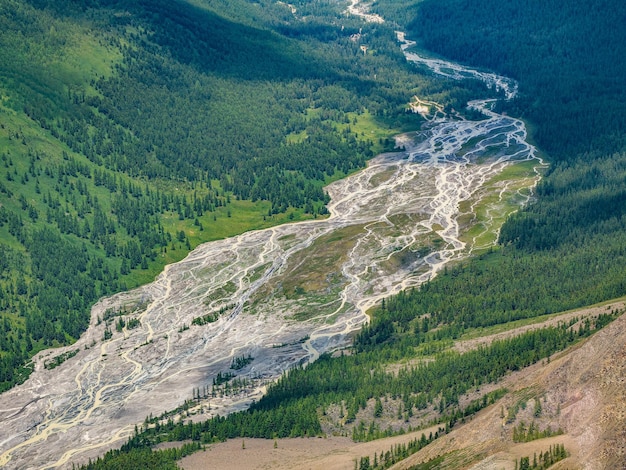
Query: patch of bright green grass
(244, 217)
(521, 170)
(491, 211)
(366, 127)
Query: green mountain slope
(132, 131)
(565, 250)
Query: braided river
(278, 297)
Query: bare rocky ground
(582, 391)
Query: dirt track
(331, 453)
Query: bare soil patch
(332, 453)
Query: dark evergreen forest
(567, 57)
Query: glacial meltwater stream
(277, 297)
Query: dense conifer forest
(567, 248)
(131, 131)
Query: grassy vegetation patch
(221, 292)
(319, 266)
(407, 256)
